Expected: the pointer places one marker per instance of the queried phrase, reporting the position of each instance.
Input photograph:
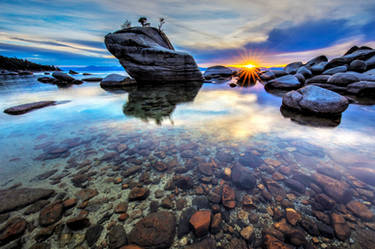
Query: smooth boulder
(149, 57)
(217, 71)
(117, 80)
(317, 100)
(284, 82)
(292, 68)
(62, 76)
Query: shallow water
(178, 126)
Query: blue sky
(276, 32)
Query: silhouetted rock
(217, 71)
(21, 109)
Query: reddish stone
(13, 230)
(360, 210)
(272, 243)
(123, 217)
(122, 207)
(138, 194)
(51, 214)
(216, 223)
(156, 230)
(342, 230)
(86, 194)
(337, 190)
(206, 169)
(70, 203)
(228, 197)
(201, 220)
(293, 216)
(131, 247)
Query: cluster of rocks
(318, 84)
(235, 200)
(63, 79)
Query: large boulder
(217, 71)
(284, 82)
(342, 79)
(316, 60)
(149, 57)
(318, 68)
(358, 66)
(317, 100)
(362, 88)
(339, 69)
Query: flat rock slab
(12, 199)
(21, 109)
(24, 108)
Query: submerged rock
(217, 71)
(21, 109)
(314, 99)
(117, 237)
(156, 230)
(148, 56)
(243, 177)
(201, 220)
(13, 199)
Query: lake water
(172, 130)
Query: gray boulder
(316, 60)
(370, 72)
(116, 80)
(62, 76)
(284, 82)
(266, 76)
(318, 68)
(317, 100)
(358, 66)
(334, 70)
(362, 88)
(342, 79)
(318, 79)
(336, 62)
(305, 72)
(361, 54)
(292, 68)
(148, 56)
(370, 63)
(217, 71)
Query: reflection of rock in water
(158, 102)
(309, 119)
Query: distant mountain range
(93, 68)
(14, 64)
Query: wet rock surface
(21, 109)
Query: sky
(270, 32)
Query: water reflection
(310, 120)
(158, 102)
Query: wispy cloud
(215, 27)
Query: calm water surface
(107, 132)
